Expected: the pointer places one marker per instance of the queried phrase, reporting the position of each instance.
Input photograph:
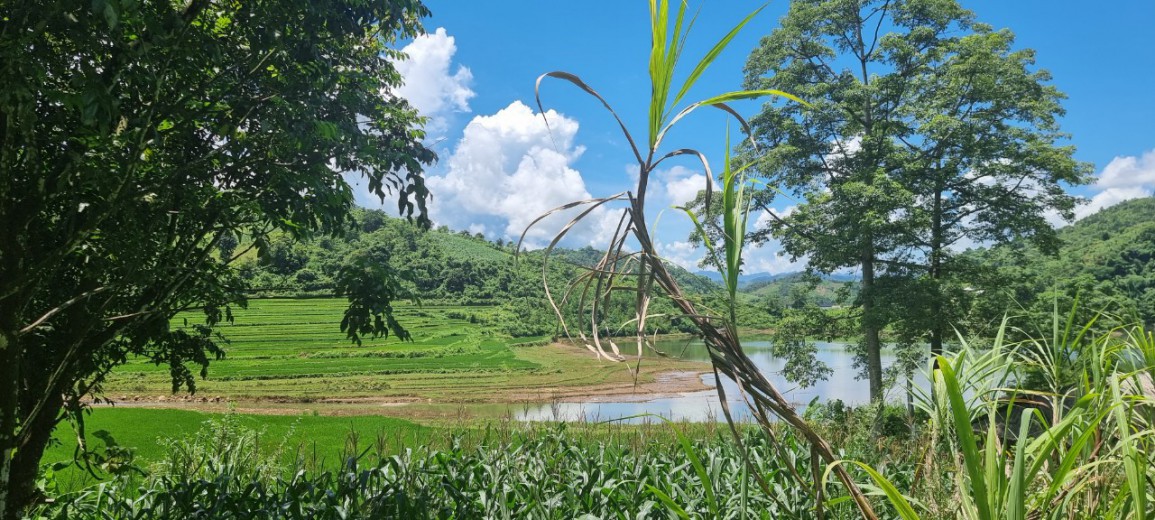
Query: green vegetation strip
(147, 433)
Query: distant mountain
(797, 287)
(743, 279)
(445, 266)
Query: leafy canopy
(139, 140)
(926, 131)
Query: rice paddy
(293, 350)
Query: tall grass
(1070, 450)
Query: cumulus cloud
(1129, 172)
(768, 258)
(682, 253)
(508, 169)
(765, 218)
(431, 84)
(680, 184)
(1124, 178)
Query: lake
(704, 405)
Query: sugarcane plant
(632, 263)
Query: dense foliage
(977, 449)
(591, 471)
(137, 139)
(1106, 262)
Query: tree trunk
(9, 377)
(870, 326)
(936, 246)
(26, 463)
(20, 462)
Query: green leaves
(372, 285)
(138, 135)
(712, 54)
(924, 131)
(108, 10)
(966, 441)
(666, 49)
(899, 501)
(1136, 465)
(543, 472)
(1065, 456)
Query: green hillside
(1106, 260)
(689, 282)
(448, 267)
(797, 289)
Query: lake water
(704, 406)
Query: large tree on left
(135, 136)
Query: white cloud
(1111, 197)
(1129, 172)
(761, 259)
(841, 150)
(508, 169)
(430, 86)
(765, 218)
(682, 253)
(680, 184)
(1124, 178)
(768, 258)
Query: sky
(500, 167)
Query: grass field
(317, 441)
(293, 350)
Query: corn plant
(538, 473)
(641, 270)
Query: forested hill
(437, 265)
(797, 289)
(1107, 260)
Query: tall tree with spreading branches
(926, 132)
(146, 144)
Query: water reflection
(705, 406)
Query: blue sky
(474, 73)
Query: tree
(925, 132)
(135, 137)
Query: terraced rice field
(293, 350)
